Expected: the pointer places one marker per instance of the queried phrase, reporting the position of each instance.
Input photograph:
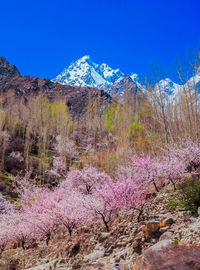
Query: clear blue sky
(42, 37)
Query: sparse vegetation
(187, 196)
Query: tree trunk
(106, 224)
(156, 188)
(23, 244)
(48, 238)
(139, 215)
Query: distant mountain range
(85, 73)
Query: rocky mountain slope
(126, 83)
(17, 86)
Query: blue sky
(42, 37)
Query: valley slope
(15, 86)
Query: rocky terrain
(164, 239)
(124, 84)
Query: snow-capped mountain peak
(84, 58)
(167, 87)
(134, 77)
(109, 74)
(84, 72)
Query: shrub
(188, 195)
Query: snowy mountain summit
(84, 72)
(167, 87)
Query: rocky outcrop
(7, 70)
(122, 85)
(166, 255)
(14, 86)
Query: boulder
(169, 221)
(166, 236)
(94, 255)
(166, 255)
(164, 229)
(103, 236)
(193, 219)
(153, 226)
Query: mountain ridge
(84, 72)
(14, 84)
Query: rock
(134, 230)
(119, 86)
(166, 255)
(11, 245)
(127, 266)
(118, 245)
(141, 234)
(165, 236)
(124, 243)
(168, 221)
(108, 244)
(135, 244)
(94, 255)
(120, 255)
(198, 211)
(189, 234)
(165, 244)
(76, 264)
(164, 229)
(62, 261)
(46, 266)
(193, 219)
(17, 155)
(117, 260)
(108, 251)
(13, 164)
(153, 226)
(103, 236)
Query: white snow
(84, 72)
(134, 77)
